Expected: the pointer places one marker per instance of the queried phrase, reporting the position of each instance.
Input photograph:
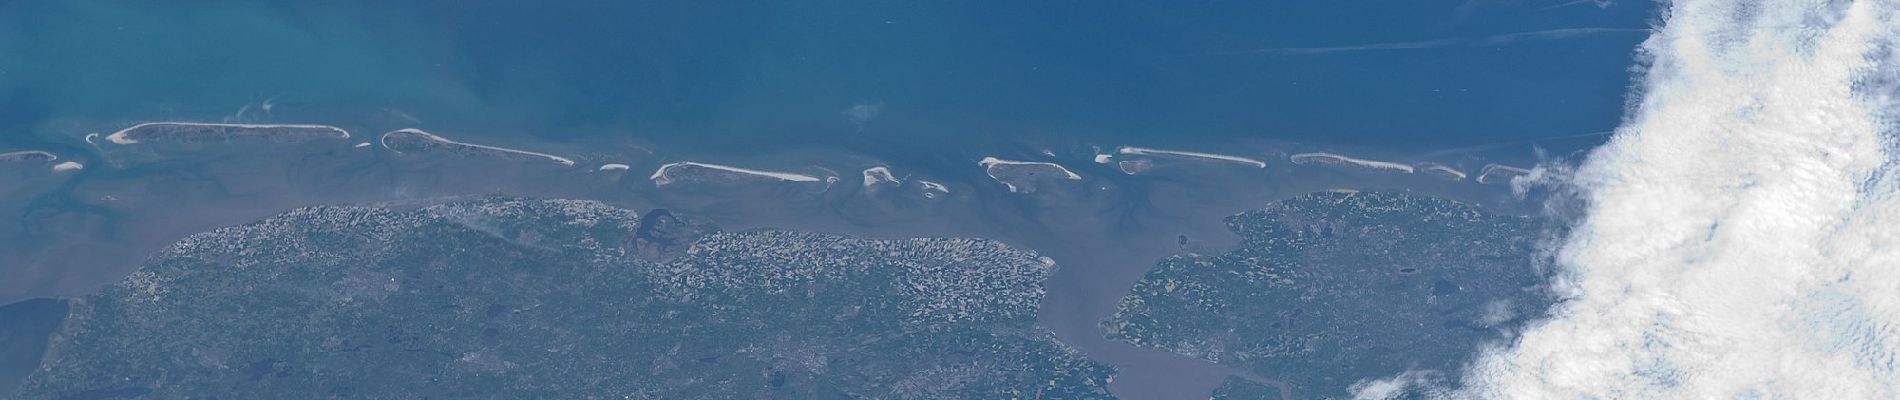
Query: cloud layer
(1743, 235)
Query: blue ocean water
(739, 77)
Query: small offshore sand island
(932, 189)
(689, 171)
(880, 175)
(208, 132)
(416, 140)
(1441, 171)
(1336, 160)
(1021, 176)
(1498, 173)
(1140, 151)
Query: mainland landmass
(512, 298)
(501, 297)
(1335, 288)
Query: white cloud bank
(1743, 230)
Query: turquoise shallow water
(722, 76)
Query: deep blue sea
(738, 77)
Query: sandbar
(1441, 170)
(1140, 151)
(431, 139)
(879, 175)
(1335, 159)
(930, 187)
(1495, 173)
(195, 132)
(661, 177)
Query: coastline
(1060, 224)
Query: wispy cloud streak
(1486, 41)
